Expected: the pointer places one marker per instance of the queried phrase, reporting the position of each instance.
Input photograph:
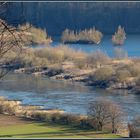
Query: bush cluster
(34, 35)
(85, 36)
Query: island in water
(119, 37)
(91, 36)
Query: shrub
(64, 119)
(39, 116)
(119, 37)
(8, 108)
(42, 62)
(59, 54)
(71, 54)
(57, 118)
(92, 36)
(135, 70)
(34, 35)
(122, 75)
(74, 119)
(27, 57)
(68, 119)
(44, 56)
(138, 82)
(103, 74)
(50, 54)
(86, 124)
(10, 56)
(97, 58)
(81, 64)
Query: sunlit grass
(43, 130)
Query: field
(13, 127)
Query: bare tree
(104, 112)
(116, 115)
(99, 113)
(11, 38)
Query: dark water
(131, 46)
(70, 97)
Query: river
(71, 97)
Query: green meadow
(43, 130)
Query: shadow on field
(52, 134)
(59, 130)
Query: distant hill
(55, 17)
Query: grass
(43, 130)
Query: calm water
(70, 97)
(131, 46)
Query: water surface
(131, 46)
(73, 98)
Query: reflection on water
(63, 95)
(24, 82)
(131, 46)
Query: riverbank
(112, 76)
(63, 63)
(58, 117)
(15, 127)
